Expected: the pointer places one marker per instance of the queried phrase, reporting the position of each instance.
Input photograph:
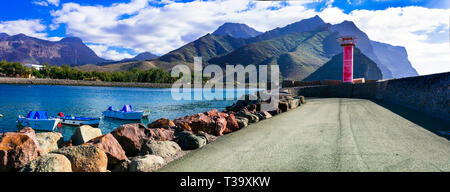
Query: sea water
(92, 101)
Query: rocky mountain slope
(236, 30)
(395, 58)
(25, 49)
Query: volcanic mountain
(68, 51)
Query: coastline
(26, 81)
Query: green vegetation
(297, 54)
(155, 75)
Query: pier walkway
(331, 134)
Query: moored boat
(126, 113)
(39, 120)
(78, 121)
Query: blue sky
(120, 29)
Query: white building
(36, 66)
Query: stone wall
(7, 80)
(428, 93)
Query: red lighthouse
(348, 43)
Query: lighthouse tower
(348, 43)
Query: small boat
(39, 120)
(126, 113)
(78, 121)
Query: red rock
(131, 137)
(109, 144)
(182, 125)
(232, 123)
(212, 122)
(17, 149)
(161, 134)
(162, 123)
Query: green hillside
(297, 54)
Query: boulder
(111, 147)
(245, 100)
(85, 133)
(252, 118)
(18, 149)
(121, 167)
(263, 115)
(211, 122)
(163, 149)
(49, 141)
(181, 125)
(189, 141)
(283, 106)
(293, 103)
(209, 138)
(301, 98)
(145, 163)
(131, 137)
(232, 123)
(161, 134)
(242, 121)
(49, 163)
(162, 123)
(85, 158)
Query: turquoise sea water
(92, 101)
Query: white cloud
(141, 27)
(108, 53)
(28, 27)
(47, 3)
(33, 28)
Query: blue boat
(78, 121)
(126, 113)
(39, 120)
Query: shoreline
(68, 82)
(26, 81)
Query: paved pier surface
(329, 135)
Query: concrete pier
(329, 134)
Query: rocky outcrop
(145, 163)
(211, 122)
(163, 149)
(209, 138)
(242, 121)
(18, 149)
(162, 123)
(161, 134)
(111, 147)
(189, 141)
(49, 141)
(49, 163)
(131, 137)
(252, 118)
(85, 133)
(85, 158)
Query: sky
(122, 29)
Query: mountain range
(299, 49)
(25, 49)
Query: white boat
(126, 113)
(78, 121)
(39, 120)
